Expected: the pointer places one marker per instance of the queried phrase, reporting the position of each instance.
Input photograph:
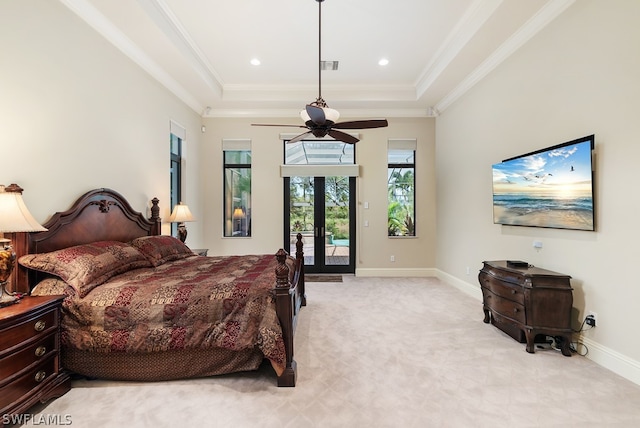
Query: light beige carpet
(379, 352)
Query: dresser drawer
(503, 289)
(505, 307)
(28, 382)
(38, 325)
(36, 351)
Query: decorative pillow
(86, 266)
(160, 249)
(52, 286)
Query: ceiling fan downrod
(320, 101)
(319, 119)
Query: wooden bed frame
(103, 214)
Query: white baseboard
(599, 354)
(472, 290)
(397, 272)
(612, 360)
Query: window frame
(398, 227)
(236, 223)
(175, 174)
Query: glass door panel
(337, 220)
(301, 215)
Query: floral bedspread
(197, 303)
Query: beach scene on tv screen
(552, 188)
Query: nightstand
(30, 370)
(201, 251)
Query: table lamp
(14, 217)
(180, 215)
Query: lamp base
(7, 298)
(182, 232)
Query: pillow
(84, 267)
(160, 249)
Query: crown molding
(473, 19)
(295, 113)
(165, 19)
(545, 15)
(109, 31)
(162, 15)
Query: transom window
(319, 152)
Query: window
(177, 135)
(313, 152)
(237, 188)
(401, 185)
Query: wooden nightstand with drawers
(30, 370)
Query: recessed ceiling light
(383, 61)
(255, 61)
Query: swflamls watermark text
(42, 419)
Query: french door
(323, 210)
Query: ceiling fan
(319, 119)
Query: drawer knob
(513, 291)
(515, 310)
(40, 351)
(40, 325)
(39, 377)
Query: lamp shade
(180, 214)
(14, 215)
(238, 213)
(329, 114)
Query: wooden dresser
(525, 302)
(30, 354)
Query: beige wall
(373, 246)
(578, 77)
(76, 115)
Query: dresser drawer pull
(515, 310)
(39, 377)
(40, 325)
(513, 291)
(40, 351)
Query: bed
(142, 306)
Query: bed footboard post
(285, 308)
(155, 217)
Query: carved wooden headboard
(98, 215)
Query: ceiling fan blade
(341, 136)
(362, 124)
(316, 114)
(271, 124)
(299, 137)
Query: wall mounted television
(550, 188)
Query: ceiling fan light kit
(319, 118)
(331, 115)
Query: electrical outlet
(393, 258)
(592, 319)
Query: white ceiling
(201, 50)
